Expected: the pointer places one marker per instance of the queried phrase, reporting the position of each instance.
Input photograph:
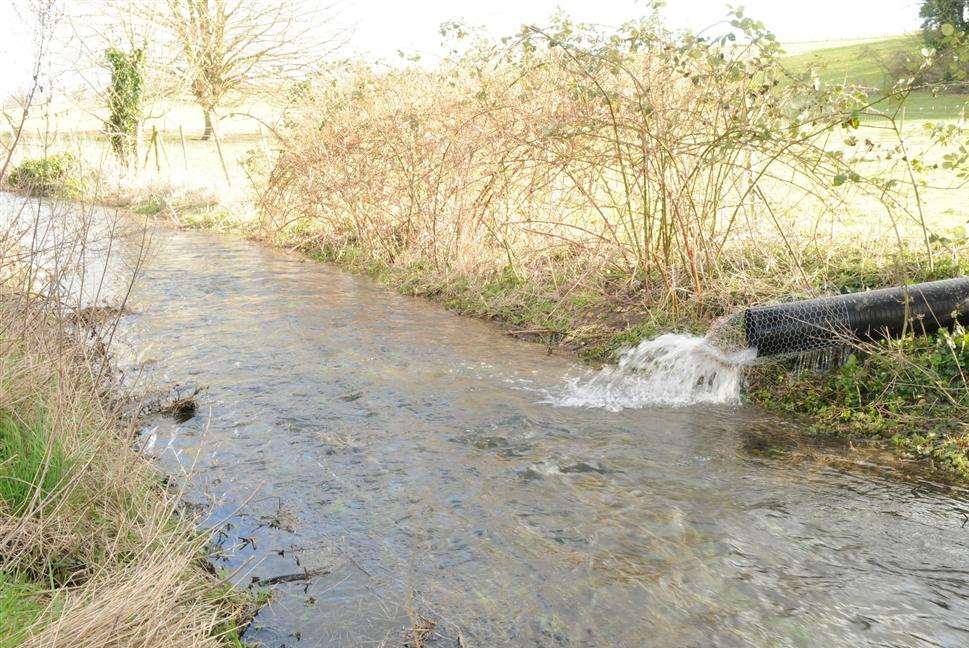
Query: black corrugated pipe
(877, 314)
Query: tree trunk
(207, 133)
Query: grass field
(865, 63)
(868, 63)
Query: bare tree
(242, 47)
(43, 16)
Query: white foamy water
(671, 369)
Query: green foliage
(911, 393)
(31, 462)
(150, 207)
(21, 603)
(124, 100)
(954, 46)
(941, 17)
(855, 270)
(945, 29)
(44, 176)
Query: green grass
(925, 105)
(869, 64)
(29, 461)
(862, 63)
(21, 604)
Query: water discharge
(672, 369)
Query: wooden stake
(218, 147)
(154, 140)
(164, 152)
(151, 142)
(265, 145)
(181, 133)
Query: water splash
(671, 369)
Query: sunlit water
(410, 452)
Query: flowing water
(417, 465)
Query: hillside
(867, 63)
(864, 63)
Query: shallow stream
(410, 459)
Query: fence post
(154, 140)
(265, 144)
(164, 152)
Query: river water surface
(409, 458)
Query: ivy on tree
(124, 100)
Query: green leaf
(840, 179)
(947, 29)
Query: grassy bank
(93, 549)
(876, 65)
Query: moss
(614, 343)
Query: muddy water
(406, 457)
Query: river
(407, 460)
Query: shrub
(644, 157)
(44, 176)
